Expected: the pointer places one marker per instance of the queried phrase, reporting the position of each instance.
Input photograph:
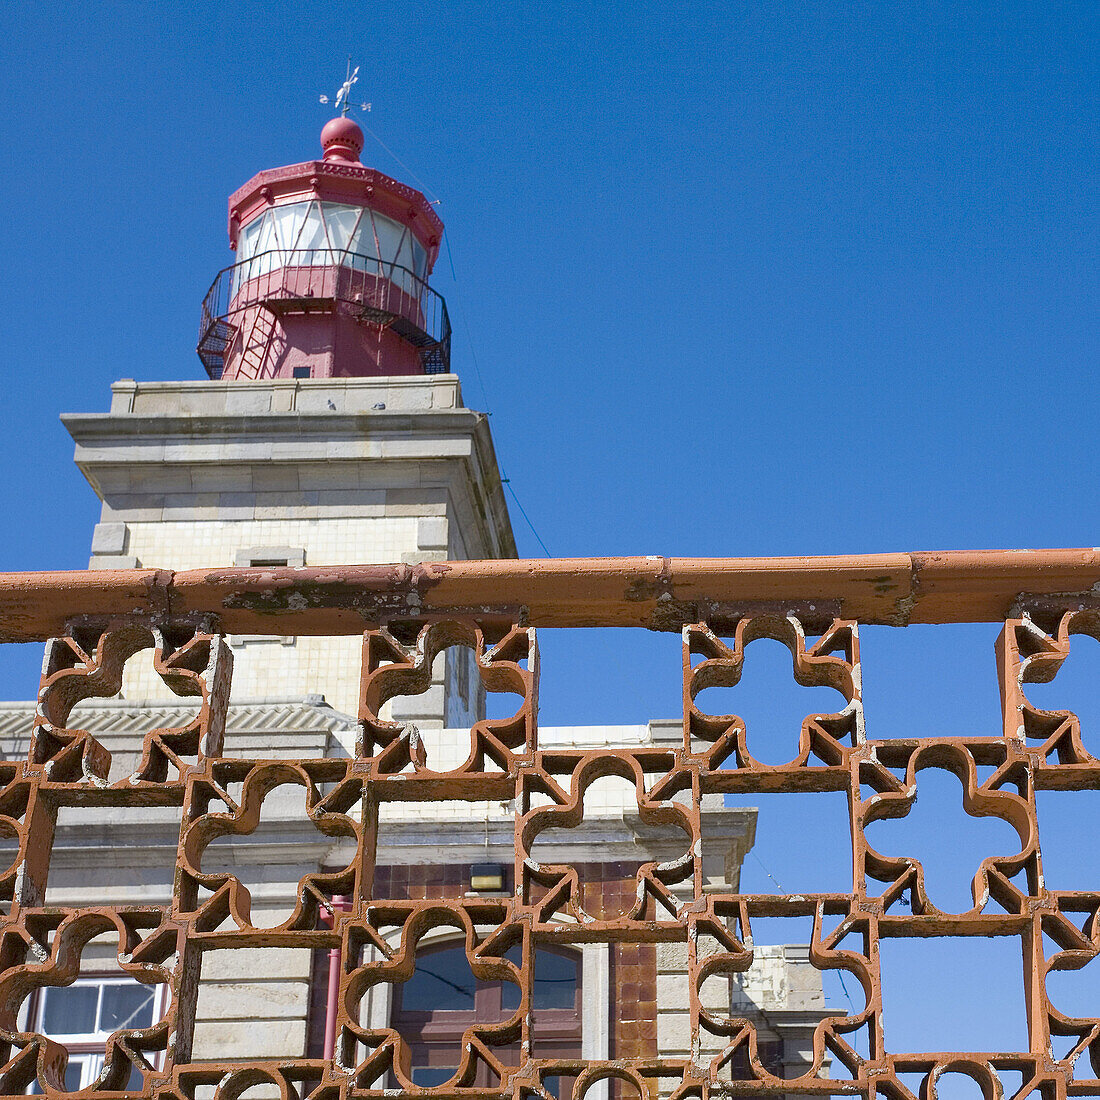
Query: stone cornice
(89, 427)
(162, 430)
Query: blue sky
(740, 278)
(732, 279)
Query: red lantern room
(331, 276)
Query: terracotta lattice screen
(407, 616)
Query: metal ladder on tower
(256, 344)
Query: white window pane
(389, 237)
(404, 252)
(556, 981)
(402, 274)
(265, 239)
(288, 223)
(246, 246)
(69, 1010)
(265, 245)
(125, 1006)
(363, 248)
(313, 230)
(430, 1077)
(340, 221)
(420, 259)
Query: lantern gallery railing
(94, 622)
(373, 291)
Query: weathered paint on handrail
(654, 592)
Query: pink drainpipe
(335, 957)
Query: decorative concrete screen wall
(407, 615)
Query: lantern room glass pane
(266, 243)
(389, 237)
(329, 233)
(288, 223)
(246, 247)
(404, 252)
(362, 247)
(312, 247)
(404, 278)
(340, 220)
(360, 252)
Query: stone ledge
(403, 392)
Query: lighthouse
(331, 274)
(326, 429)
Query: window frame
(88, 1049)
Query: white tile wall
(343, 541)
(325, 666)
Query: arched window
(442, 998)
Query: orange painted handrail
(654, 592)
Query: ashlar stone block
(109, 538)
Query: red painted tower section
(331, 278)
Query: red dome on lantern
(342, 139)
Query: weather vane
(343, 97)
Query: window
(270, 555)
(340, 221)
(312, 236)
(770, 1053)
(312, 233)
(327, 230)
(442, 998)
(301, 372)
(84, 1015)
